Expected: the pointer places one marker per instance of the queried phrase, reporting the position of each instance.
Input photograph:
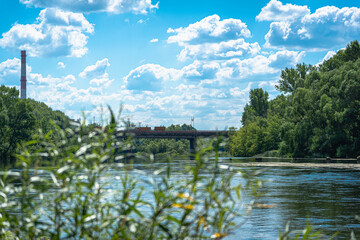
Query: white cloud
(39, 79)
(236, 92)
(276, 11)
(200, 71)
(209, 29)
(179, 93)
(150, 77)
(285, 58)
(56, 33)
(97, 73)
(154, 40)
(328, 27)
(259, 65)
(328, 55)
(61, 65)
(10, 71)
(99, 69)
(210, 74)
(10, 67)
(111, 6)
(222, 50)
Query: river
(327, 198)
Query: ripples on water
(328, 199)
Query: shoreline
(352, 166)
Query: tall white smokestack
(23, 75)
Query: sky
(163, 62)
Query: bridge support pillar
(192, 148)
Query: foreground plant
(78, 196)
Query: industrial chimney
(23, 75)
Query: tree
(17, 121)
(293, 78)
(258, 106)
(318, 116)
(21, 118)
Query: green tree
(17, 122)
(318, 116)
(258, 106)
(293, 78)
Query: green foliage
(73, 200)
(166, 146)
(318, 116)
(293, 78)
(258, 107)
(43, 114)
(16, 121)
(350, 53)
(20, 119)
(169, 146)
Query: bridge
(191, 135)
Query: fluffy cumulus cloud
(56, 33)
(222, 69)
(150, 77)
(285, 58)
(221, 50)
(209, 29)
(276, 11)
(237, 92)
(63, 92)
(9, 67)
(96, 70)
(213, 39)
(200, 71)
(111, 6)
(328, 27)
(259, 65)
(97, 73)
(213, 74)
(10, 71)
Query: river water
(329, 199)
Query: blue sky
(168, 60)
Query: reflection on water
(328, 199)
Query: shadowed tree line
(317, 114)
(22, 118)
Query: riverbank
(353, 166)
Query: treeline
(20, 119)
(317, 114)
(166, 146)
